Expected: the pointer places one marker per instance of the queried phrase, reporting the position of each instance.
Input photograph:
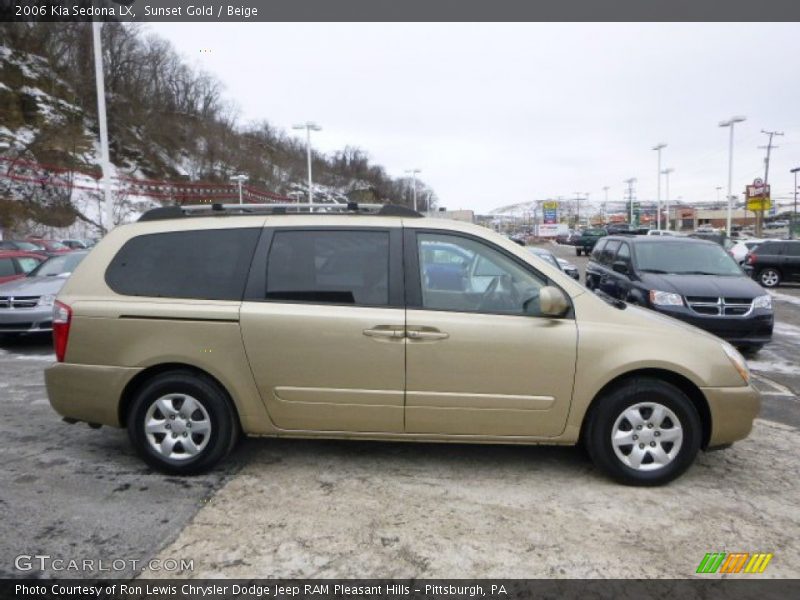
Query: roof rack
(317, 208)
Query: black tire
(772, 277)
(577, 251)
(750, 349)
(602, 421)
(219, 414)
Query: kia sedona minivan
(197, 325)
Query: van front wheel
(644, 432)
(182, 423)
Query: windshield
(57, 265)
(685, 259)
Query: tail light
(62, 318)
(751, 259)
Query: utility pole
(101, 117)
(630, 196)
(414, 180)
(793, 222)
(240, 179)
(658, 148)
(666, 173)
(768, 147)
(577, 209)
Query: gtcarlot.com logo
(734, 562)
(45, 562)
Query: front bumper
(26, 320)
(88, 393)
(733, 410)
(755, 328)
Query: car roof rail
(316, 208)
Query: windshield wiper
(657, 271)
(698, 273)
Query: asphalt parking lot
(282, 508)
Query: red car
(15, 264)
(52, 247)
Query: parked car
(15, 264)
(742, 248)
(588, 239)
(780, 224)
(23, 246)
(574, 236)
(617, 228)
(551, 258)
(773, 262)
(662, 232)
(51, 247)
(563, 238)
(26, 304)
(75, 244)
(188, 330)
(687, 279)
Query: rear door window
(331, 267)
(624, 253)
(792, 249)
(207, 264)
(609, 251)
(598, 250)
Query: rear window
(210, 264)
(338, 267)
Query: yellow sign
(550, 204)
(759, 203)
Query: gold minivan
(198, 324)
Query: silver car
(26, 305)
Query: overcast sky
(495, 114)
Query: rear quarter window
(210, 264)
(770, 248)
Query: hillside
(173, 136)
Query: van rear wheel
(645, 432)
(182, 423)
(769, 278)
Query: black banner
(401, 589)
(400, 10)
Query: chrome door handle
(415, 334)
(385, 331)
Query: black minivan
(689, 279)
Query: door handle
(427, 334)
(386, 331)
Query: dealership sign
(550, 212)
(758, 197)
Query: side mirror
(620, 267)
(552, 302)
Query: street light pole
(240, 179)
(793, 222)
(309, 126)
(101, 117)
(658, 148)
(730, 123)
(666, 173)
(414, 184)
